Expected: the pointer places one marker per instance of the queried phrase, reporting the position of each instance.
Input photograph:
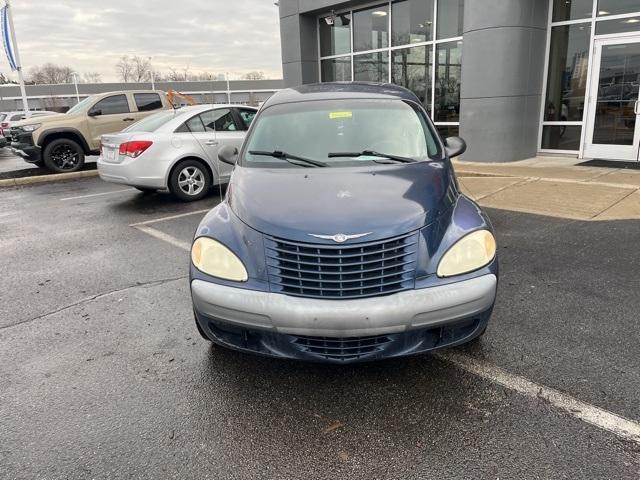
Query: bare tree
(124, 68)
(92, 77)
(141, 69)
(51, 73)
(256, 75)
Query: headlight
(32, 127)
(470, 253)
(215, 259)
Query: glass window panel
(448, 130)
(411, 21)
(567, 77)
(112, 105)
(336, 69)
(448, 75)
(372, 67)
(561, 137)
(450, 18)
(371, 28)
(620, 25)
(571, 10)
(618, 88)
(411, 68)
(335, 39)
(617, 7)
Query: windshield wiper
(306, 162)
(371, 153)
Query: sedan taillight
(135, 148)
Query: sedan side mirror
(455, 146)
(228, 154)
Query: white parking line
(96, 194)
(165, 237)
(596, 416)
(172, 217)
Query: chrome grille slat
(341, 271)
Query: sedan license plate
(110, 154)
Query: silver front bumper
(394, 313)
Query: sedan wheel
(190, 180)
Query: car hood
(381, 201)
(44, 119)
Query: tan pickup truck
(60, 142)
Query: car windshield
(82, 105)
(341, 133)
(152, 122)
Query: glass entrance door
(613, 122)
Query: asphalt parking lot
(103, 374)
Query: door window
(147, 101)
(247, 116)
(220, 120)
(111, 106)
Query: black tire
(190, 176)
(63, 156)
(146, 189)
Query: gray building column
(502, 78)
(299, 44)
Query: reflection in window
(567, 77)
(411, 68)
(335, 35)
(448, 76)
(561, 137)
(450, 18)
(370, 28)
(617, 7)
(621, 25)
(372, 67)
(571, 10)
(411, 21)
(336, 69)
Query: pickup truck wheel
(190, 181)
(63, 155)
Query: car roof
(341, 90)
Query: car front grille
(342, 271)
(341, 349)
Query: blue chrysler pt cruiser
(344, 235)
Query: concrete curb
(56, 177)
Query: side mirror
(94, 113)
(454, 146)
(228, 154)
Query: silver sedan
(175, 149)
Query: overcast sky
(205, 35)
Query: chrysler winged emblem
(341, 237)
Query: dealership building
(514, 78)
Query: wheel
(146, 189)
(63, 155)
(190, 181)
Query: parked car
(176, 150)
(60, 142)
(7, 119)
(344, 236)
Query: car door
(225, 129)
(109, 115)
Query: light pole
(75, 82)
(153, 82)
(228, 89)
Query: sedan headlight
(470, 253)
(213, 258)
(32, 127)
